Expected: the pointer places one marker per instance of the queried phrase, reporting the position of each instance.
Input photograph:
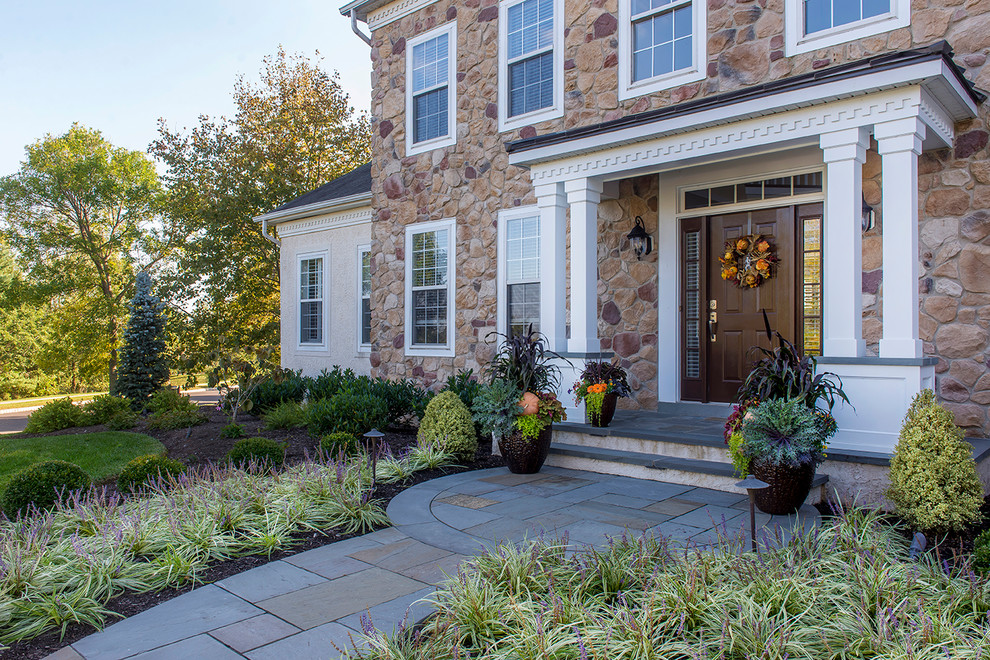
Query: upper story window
(530, 62)
(429, 289)
(430, 95)
(311, 273)
(364, 298)
(814, 24)
(662, 44)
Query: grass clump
(933, 480)
(148, 470)
(337, 443)
(54, 416)
(42, 485)
(263, 452)
(285, 415)
(448, 426)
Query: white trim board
(323, 223)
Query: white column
(844, 154)
(899, 144)
(583, 195)
(553, 268)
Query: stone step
(674, 443)
(716, 475)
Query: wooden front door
(723, 322)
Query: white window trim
(501, 268)
(796, 42)
(629, 89)
(505, 122)
(361, 346)
(303, 256)
(444, 350)
(451, 137)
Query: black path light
(639, 240)
(373, 441)
(752, 484)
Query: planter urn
(789, 486)
(523, 455)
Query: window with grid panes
(522, 268)
(811, 281)
(429, 287)
(662, 37)
(529, 40)
(365, 265)
(822, 15)
(430, 88)
(311, 301)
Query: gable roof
(355, 182)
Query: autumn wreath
(748, 260)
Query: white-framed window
(813, 24)
(530, 62)
(431, 90)
(662, 44)
(519, 270)
(430, 288)
(364, 298)
(312, 310)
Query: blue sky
(119, 66)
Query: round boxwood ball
(261, 451)
(42, 484)
(146, 470)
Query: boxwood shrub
(146, 470)
(339, 442)
(42, 484)
(264, 452)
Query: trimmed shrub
(403, 398)
(146, 470)
(42, 484)
(981, 553)
(143, 368)
(933, 481)
(329, 383)
(264, 452)
(232, 431)
(123, 420)
(284, 386)
(348, 413)
(104, 407)
(286, 415)
(337, 443)
(54, 416)
(447, 425)
(172, 410)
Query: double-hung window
(430, 96)
(429, 290)
(814, 24)
(530, 62)
(522, 274)
(364, 298)
(311, 315)
(663, 44)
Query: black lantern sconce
(639, 240)
(869, 216)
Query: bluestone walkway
(301, 606)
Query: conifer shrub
(144, 471)
(447, 425)
(263, 452)
(43, 485)
(348, 413)
(933, 481)
(101, 409)
(340, 443)
(55, 416)
(143, 369)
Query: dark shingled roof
(355, 182)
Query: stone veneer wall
(473, 180)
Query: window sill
(651, 85)
(506, 124)
(429, 145)
(312, 348)
(796, 45)
(429, 351)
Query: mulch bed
(201, 444)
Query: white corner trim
(629, 89)
(324, 222)
(797, 42)
(505, 122)
(444, 350)
(412, 148)
(394, 11)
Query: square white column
(583, 195)
(553, 267)
(899, 144)
(844, 153)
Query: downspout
(264, 232)
(354, 26)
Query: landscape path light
(752, 484)
(373, 442)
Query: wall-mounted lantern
(869, 216)
(639, 240)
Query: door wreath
(748, 260)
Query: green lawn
(102, 455)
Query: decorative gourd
(530, 404)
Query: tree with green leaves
(143, 368)
(293, 131)
(80, 215)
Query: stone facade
(472, 180)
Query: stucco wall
(340, 298)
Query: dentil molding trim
(394, 11)
(325, 222)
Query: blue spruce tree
(143, 369)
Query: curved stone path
(302, 606)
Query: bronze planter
(789, 486)
(524, 456)
(604, 417)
